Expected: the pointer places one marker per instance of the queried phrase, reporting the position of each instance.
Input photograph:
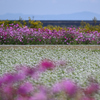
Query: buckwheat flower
(61, 63)
(69, 87)
(25, 88)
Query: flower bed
(77, 70)
(32, 36)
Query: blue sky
(47, 7)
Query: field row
(79, 47)
(16, 35)
(77, 65)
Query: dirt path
(92, 47)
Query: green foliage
(86, 27)
(57, 28)
(7, 23)
(83, 24)
(35, 24)
(21, 23)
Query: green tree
(83, 23)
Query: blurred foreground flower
(69, 87)
(46, 64)
(15, 86)
(91, 89)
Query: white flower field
(80, 64)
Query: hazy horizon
(49, 7)
(73, 16)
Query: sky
(48, 7)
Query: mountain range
(73, 16)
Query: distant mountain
(74, 16)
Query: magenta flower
(87, 98)
(69, 87)
(39, 96)
(30, 71)
(22, 90)
(57, 88)
(1, 81)
(22, 98)
(24, 69)
(93, 88)
(8, 78)
(8, 89)
(47, 64)
(18, 77)
(25, 88)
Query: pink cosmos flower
(76, 39)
